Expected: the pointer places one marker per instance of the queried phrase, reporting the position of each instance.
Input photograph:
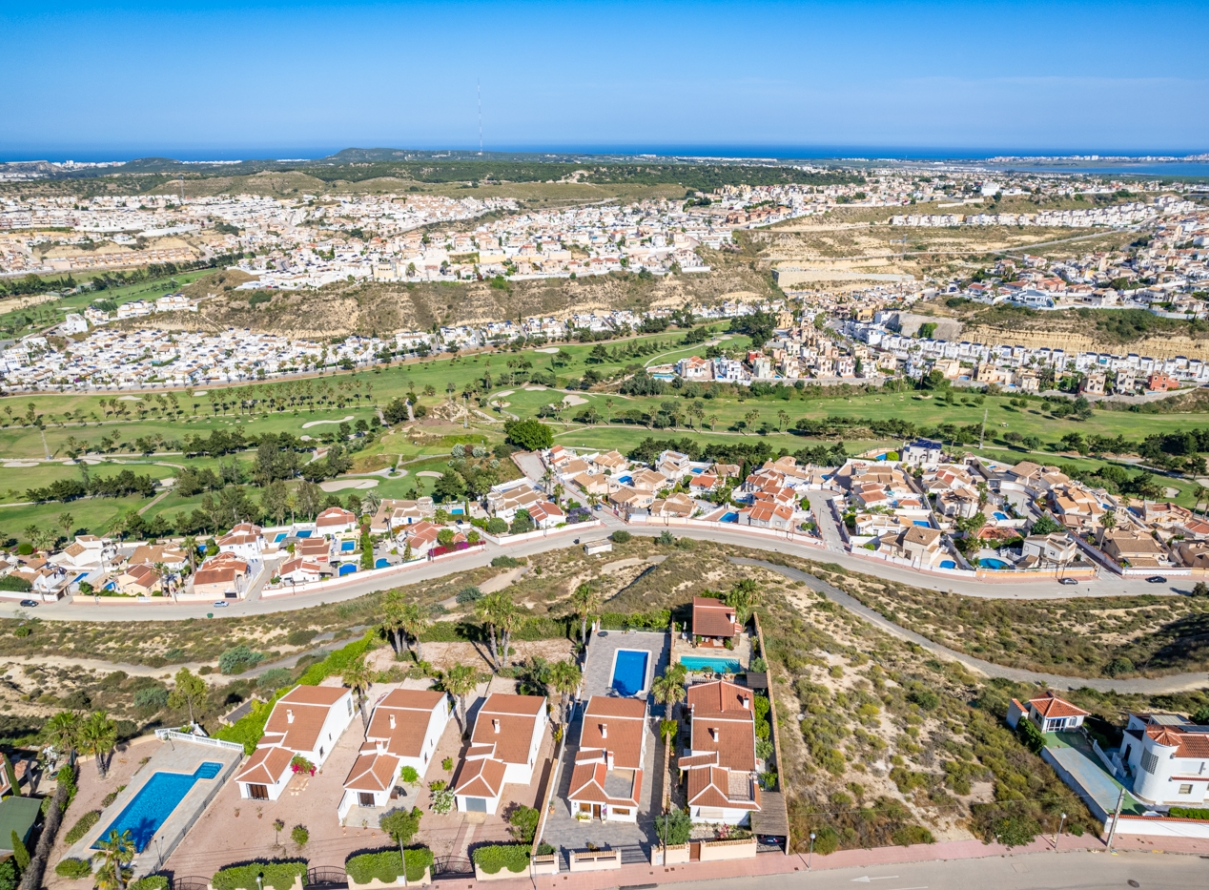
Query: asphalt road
(1040, 871)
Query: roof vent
(289, 716)
(604, 730)
(713, 733)
(495, 724)
(392, 721)
(746, 703)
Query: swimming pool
(80, 577)
(154, 803)
(922, 523)
(948, 564)
(1002, 517)
(455, 511)
(381, 563)
(347, 569)
(281, 536)
(305, 533)
(990, 563)
(629, 671)
(717, 665)
(348, 546)
(731, 517)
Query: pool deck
(682, 646)
(172, 756)
(598, 673)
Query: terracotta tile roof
(410, 710)
(482, 777)
(719, 696)
(712, 788)
(266, 766)
(713, 618)
(514, 717)
(372, 772)
(1050, 705)
(1187, 744)
(615, 725)
(309, 706)
(590, 782)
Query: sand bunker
(308, 425)
(549, 350)
(430, 474)
(574, 400)
(130, 398)
(342, 484)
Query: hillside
(380, 307)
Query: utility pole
(1116, 817)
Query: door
(595, 811)
(258, 792)
(476, 805)
(366, 799)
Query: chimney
(608, 759)
(604, 730)
(745, 699)
(495, 725)
(289, 716)
(392, 721)
(713, 733)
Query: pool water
(381, 563)
(948, 564)
(80, 577)
(347, 569)
(717, 665)
(305, 533)
(348, 546)
(281, 536)
(731, 517)
(922, 523)
(456, 511)
(993, 564)
(150, 808)
(1002, 517)
(629, 671)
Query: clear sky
(216, 78)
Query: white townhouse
(503, 750)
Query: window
(258, 792)
(476, 805)
(621, 811)
(366, 799)
(1186, 789)
(1149, 762)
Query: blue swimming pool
(922, 523)
(381, 563)
(629, 671)
(730, 517)
(455, 511)
(281, 536)
(347, 569)
(348, 546)
(154, 803)
(305, 533)
(1002, 517)
(80, 577)
(717, 665)
(991, 563)
(948, 564)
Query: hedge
(77, 831)
(1188, 813)
(73, 868)
(656, 619)
(513, 857)
(471, 631)
(279, 875)
(151, 882)
(385, 865)
(15, 583)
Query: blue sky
(241, 79)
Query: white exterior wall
(274, 790)
(493, 804)
(522, 773)
(716, 815)
(436, 726)
(339, 716)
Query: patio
(682, 645)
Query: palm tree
(565, 677)
(494, 610)
(358, 675)
(510, 620)
(98, 737)
(190, 546)
(742, 597)
(66, 520)
(415, 621)
(370, 504)
(392, 620)
(62, 732)
(459, 681)
(1201, 493)
(586, 600)
(668, 691)
(113, 855)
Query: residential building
(606, 783)
(721, 763)
(504, 745)
(1048, 712)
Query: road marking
(866, 879)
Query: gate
(326, 878)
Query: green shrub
(469, 594)
(410, 775)
(513, 857)
(238, 659)
(1030, 736)
(301, 637)
(9, 875)
(151, 882)
(300, 835)
(912, 834)
(1189, 813)
(151, 698)
(278, 874)
(523, 822)
(385, 865)
(73, 868)
(620, 536)
(85, 822)
(274, 678)
(503, 562)
(15, 584)
(674, 828)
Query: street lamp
(1061, 825)
(810, 859)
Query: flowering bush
(300, 764)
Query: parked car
(29, 604)
(220, 604)
(1067, 581)
(1156, 579)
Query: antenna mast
(479, 88)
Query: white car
(220, 604)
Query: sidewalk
(774, 864)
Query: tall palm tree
(190, 546)
(98, 737)
(742, 598)
(586, 600)
(62, 732)
(359, 675)
(415, 621)
(510, 620)
(565, 677)
(392, 620)
(494, 610)
(1201, 493)
(668, 691)
(113, 855)
(459, 681)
